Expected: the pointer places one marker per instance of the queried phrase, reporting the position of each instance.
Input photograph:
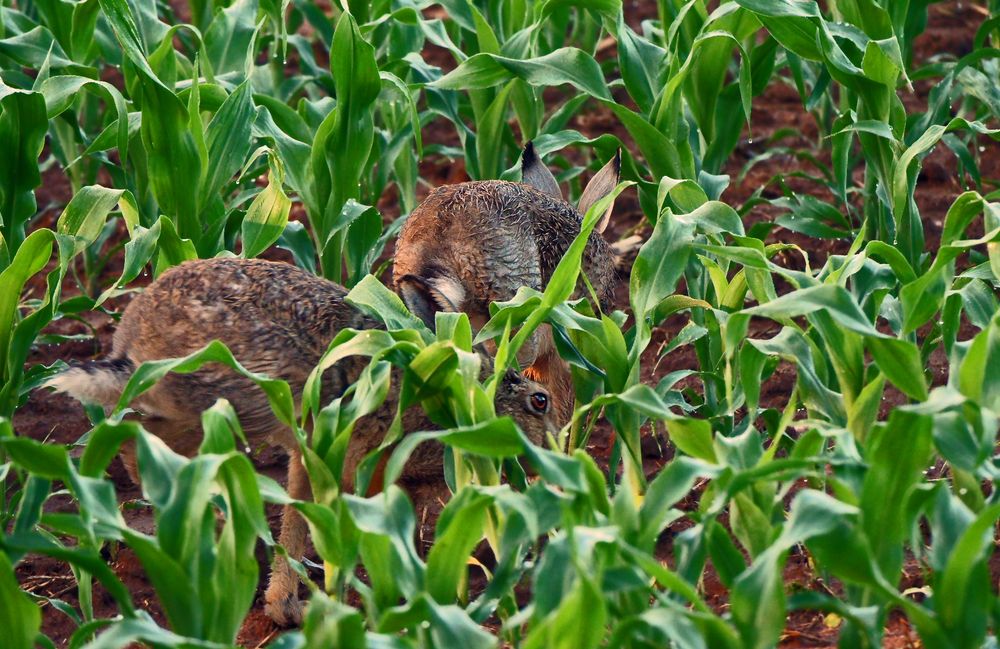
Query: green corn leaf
(267, 215)
(659, 265)
(660, 151)
(667, 489)
(85, 215)
(640, 62)
(289, 139)
(88, 559)
(171, 248)
(109, 437)
(459, 528)
(33, 48)
(329, 622)
(398, 84)
(606, 8)
(123, 633)
(758, 600)
(897, 454)
(922, 297)
(862, 413)
(488, 139)
(138, 252)
(228, 141)
(386, 524)
(80, 224)
(792, 346)
(61, 91)
(364, 242)
(450, 626)
(791, 23)
(898, 359)
(147, 374)
(495, 438)
(963, 589)
(686, 195)
(372, 297)
(47, 460)
(18, 614)
(694, 437)
(175, 164)
(343, 142)
(22, 133)
(229, 38)
(30, 258)
(565, 627)
(976, 377)
(213, 608)
(710, 56)
(565, 65)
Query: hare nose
(550, 425)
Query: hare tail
(99, 382)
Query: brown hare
(278, 320)
(478, 242)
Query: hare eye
(540, 402)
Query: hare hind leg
(281, 600)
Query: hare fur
(277, 320)
(478, 242)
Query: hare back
(271, 315)
(497, 236)
(275, 318)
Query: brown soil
(61, 420)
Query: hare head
(526, 402)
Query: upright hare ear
(426, 296)
(535, 173)
(600, 186)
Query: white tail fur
(99, 382)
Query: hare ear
(603, 182)
(426, 296)
(535, 173)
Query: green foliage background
(200, 133)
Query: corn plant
(328, 148)
(200, 130)
(208, 607)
